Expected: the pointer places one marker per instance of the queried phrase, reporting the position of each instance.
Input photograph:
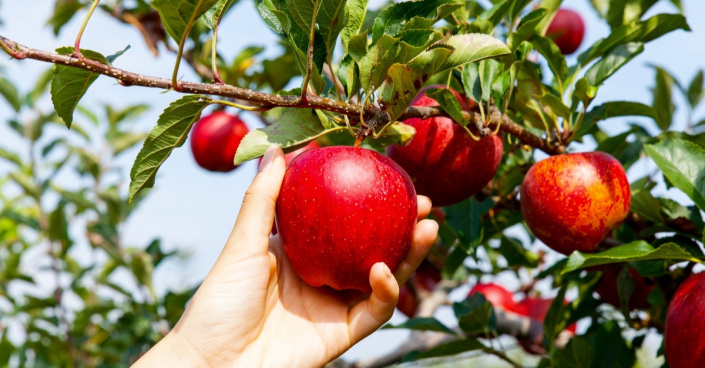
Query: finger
(424, 205)
(254, 222)
(424, 235)
(369, 315)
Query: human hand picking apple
(253, 310)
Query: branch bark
(266, 100)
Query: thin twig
(264, 100)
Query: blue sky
(194, 210)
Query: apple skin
(608, 290)
(445, 163)
(497, 295)
(424, 280)
(567, 30)
(290, 157)
(685, 324)
(340, 210)
(214, 141)
(572, 201)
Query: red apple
(497, 295)
(290, 157)
(537, 308)
(341, 210)
(567, 30)
(214, 141)
(572, 201)
(424, 281)
(443, 160)
(685, 324)
(608, 290)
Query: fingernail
(268, 158)
(387, 272)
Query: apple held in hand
(214, 141)
(685, 325)
(340, 210)
(567, 30)
(572, 201)
(445, 163)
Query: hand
(253, 310)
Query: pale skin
(252, 310)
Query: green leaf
(644, 31)
(475, 314)
(176, 14)
(388, 51)
(631, 252)
(422, 324)
(663, 98)
(695, 91)
(11, 156)
(466, 218)
(213, 15)
(40, 86)
(469, 48)
(293, 129)
(612, 61)
(6, 350)
(113, 57)
(398, 90)
(578, 353)
(58, 225)
(64, 10)
(644, 204)
(142, 267)
(393, 19)
(330, 18)
(615, 109)
(448, 103)
(453, 348)
(489, 69)
(9, 91)
(69, 84)
(170, 132)
(471, 81)
(125, 141)
(683, 163)
(553, 55)
(356, 10)
(526, 28)
(516, 255)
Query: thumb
(254, 222)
